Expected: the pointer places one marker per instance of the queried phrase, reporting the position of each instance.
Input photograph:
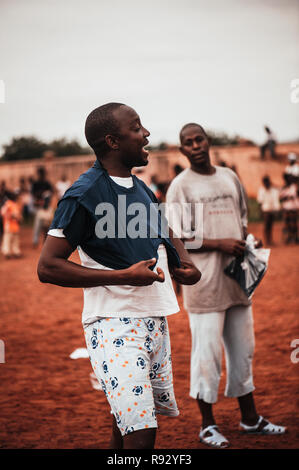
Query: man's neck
(114, 168)
(204, 169)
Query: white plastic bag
(79, 353)
(249, 269)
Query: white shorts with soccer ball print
(131, 358)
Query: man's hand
(140, 274)
(187, 274)
(231, 246)
(258, 243)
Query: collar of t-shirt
(126, 182)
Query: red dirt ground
(46, 398)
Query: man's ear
(112, 141)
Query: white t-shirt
(269, 199)
(156, 300)
(61, 187)
(224, 216)
(292, 201)
(292, 169)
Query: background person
(24, 199)
(268, 198)
(270, 144)
(290, 205)
(61, 186)
(42, 192)
(218, 309)
(3, 197)
(11, 214)
(292, 168)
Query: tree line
(30, 147)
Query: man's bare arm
(180, 247)
(230, 246)
(55, 268)
(188, 273)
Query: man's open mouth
(144, 148)
(144, 151)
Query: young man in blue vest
(125, 272)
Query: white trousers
(234, 330)
(11, 244)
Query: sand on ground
(46, 398)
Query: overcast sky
(225, 64)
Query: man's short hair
(192, 124)
(99, 123)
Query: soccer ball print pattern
(131, 358)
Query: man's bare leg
(247, 408)
(206, 410)
(143, 439)
(212, 437)
(251, 418)
(116, 441)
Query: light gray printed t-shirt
(224, 216)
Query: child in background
(290, 204)
(11, 215)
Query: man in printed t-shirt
(218, 309)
